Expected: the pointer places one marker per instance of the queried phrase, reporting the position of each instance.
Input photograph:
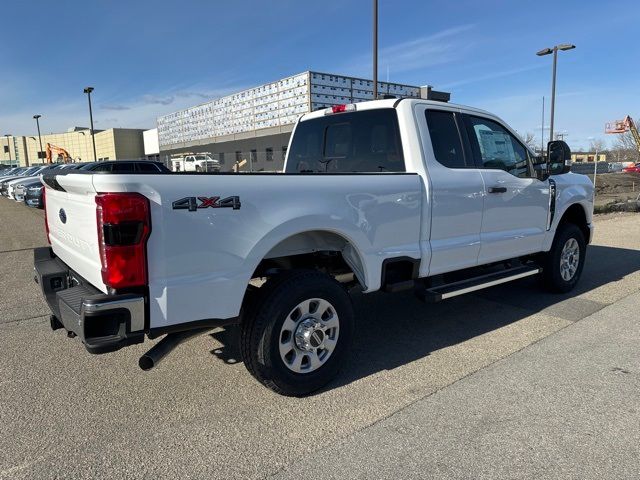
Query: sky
(148, 58)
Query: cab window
(495, 148)
(445, 139)
(358, 142)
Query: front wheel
(198, 168)
(296, 334)
(563, 264)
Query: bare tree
(625, 148)
(597, 145)
(530, 140)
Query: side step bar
(442, 292)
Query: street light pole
(542, 131)
(88, 91)
(375, 49)
(8, 147)
(553, 92)
(547, 51)
(37, 117)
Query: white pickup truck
(200, 162)
(383, 195)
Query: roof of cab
(393, 102)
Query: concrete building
(255, 125)
(111, 144)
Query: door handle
(497, 189)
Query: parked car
(632, 168)
(18, 173)
(23, 185)
(12, 171)
(8, 186)
(31, 193)
(126, 166)
(33, 196)
(27, 172)
(386, 195)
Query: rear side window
(367, 141)
(147, 167)
(445, 139)
(123, 167)
(105, 167)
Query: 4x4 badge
(191, 203)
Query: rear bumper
(104, 323)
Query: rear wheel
(296, 333)
(563, 264)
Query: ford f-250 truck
(383, 195)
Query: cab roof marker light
(350, 107)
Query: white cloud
(423, 52)
(492, 76)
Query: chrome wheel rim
(309, 335)
(569, 259)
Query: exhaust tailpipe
(165, 346)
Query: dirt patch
(617, 192)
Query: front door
(516, 203)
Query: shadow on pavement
(395, 329)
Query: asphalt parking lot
(199, 414)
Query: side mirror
(559, 157)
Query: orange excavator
(59, 151)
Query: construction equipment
(623, 126)
(59, 151)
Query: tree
(530, 140)
(625, 148)
(597, 145)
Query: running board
(442, 292)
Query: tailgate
(71, 215)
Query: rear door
(516, 203)
(455, 189)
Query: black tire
(551, 274)
(263, 319)
(198, 168)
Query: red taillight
(338, 108)
(44, 205)
(124, 224)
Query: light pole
(8, 147)
(547, 51)
(39, 137)
(88, 91)
(375, 49)
(542, 131)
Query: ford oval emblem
(63, 215)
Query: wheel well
(575, 214)
(318, 250)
